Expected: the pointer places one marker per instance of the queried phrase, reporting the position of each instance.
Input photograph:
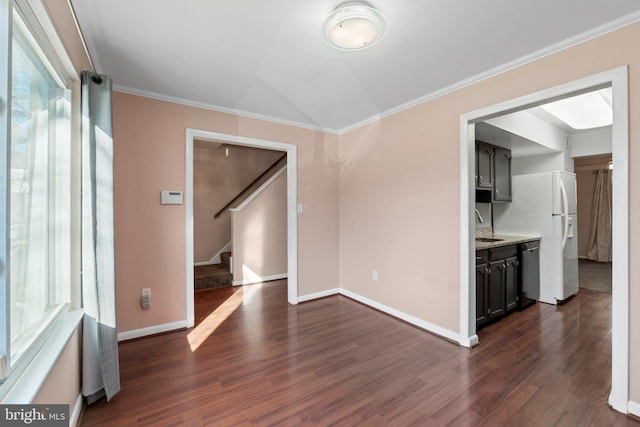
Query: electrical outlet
(374, 275)
(145, 300)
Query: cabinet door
(484, 166)
(482, 287)
(511, 283)
(502, 177)
(496, 295)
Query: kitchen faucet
(479, 216)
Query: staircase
(213, 275)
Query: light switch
(145, 300)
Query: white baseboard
(634, 408)
(316, 295)
(216, 258)
(198, 264)
(259, 279)
(152, 330)
(74, 417)
(423, 324)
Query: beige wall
(399, 196)
(217, 179)
(149, 156)
(260, 234)
(586, 184)
(62, 386)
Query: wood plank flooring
(255, 360)
(594, 275)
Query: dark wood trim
(245, 189)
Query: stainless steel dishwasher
(529, 283)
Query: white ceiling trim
(205, 106)
(547, 51)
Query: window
(39, 202)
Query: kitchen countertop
(505, 240)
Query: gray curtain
(600, 236)
(100, 367)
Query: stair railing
(244, 190)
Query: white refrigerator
(544, 204)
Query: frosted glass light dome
(353, 25)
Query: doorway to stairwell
(239, 195)
(285, 171)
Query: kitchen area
(527, 208)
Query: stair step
(225, 259)
(211, 276)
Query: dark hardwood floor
(255, 360)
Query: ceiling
(267, 59)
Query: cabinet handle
(480, 177)
(497, 191)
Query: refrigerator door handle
(565, 213)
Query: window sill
(23, 389)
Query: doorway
(593, 176)
(292, 201)
(617, 79)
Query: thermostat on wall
(171, 198)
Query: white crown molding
(217, 108)
(547, 51)
(516, 63)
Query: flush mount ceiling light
(586, 111)
(353, 25)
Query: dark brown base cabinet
(482, 287)
(496, 283)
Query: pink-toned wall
(399, 195)
(62, 386)
(259, 232)
(217, 179)
(149, 156)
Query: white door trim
(292, 202)
(617, 79)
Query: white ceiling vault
(267, 59)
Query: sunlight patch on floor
(209, 325)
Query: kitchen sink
(487, 239)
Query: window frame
(20, 381)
